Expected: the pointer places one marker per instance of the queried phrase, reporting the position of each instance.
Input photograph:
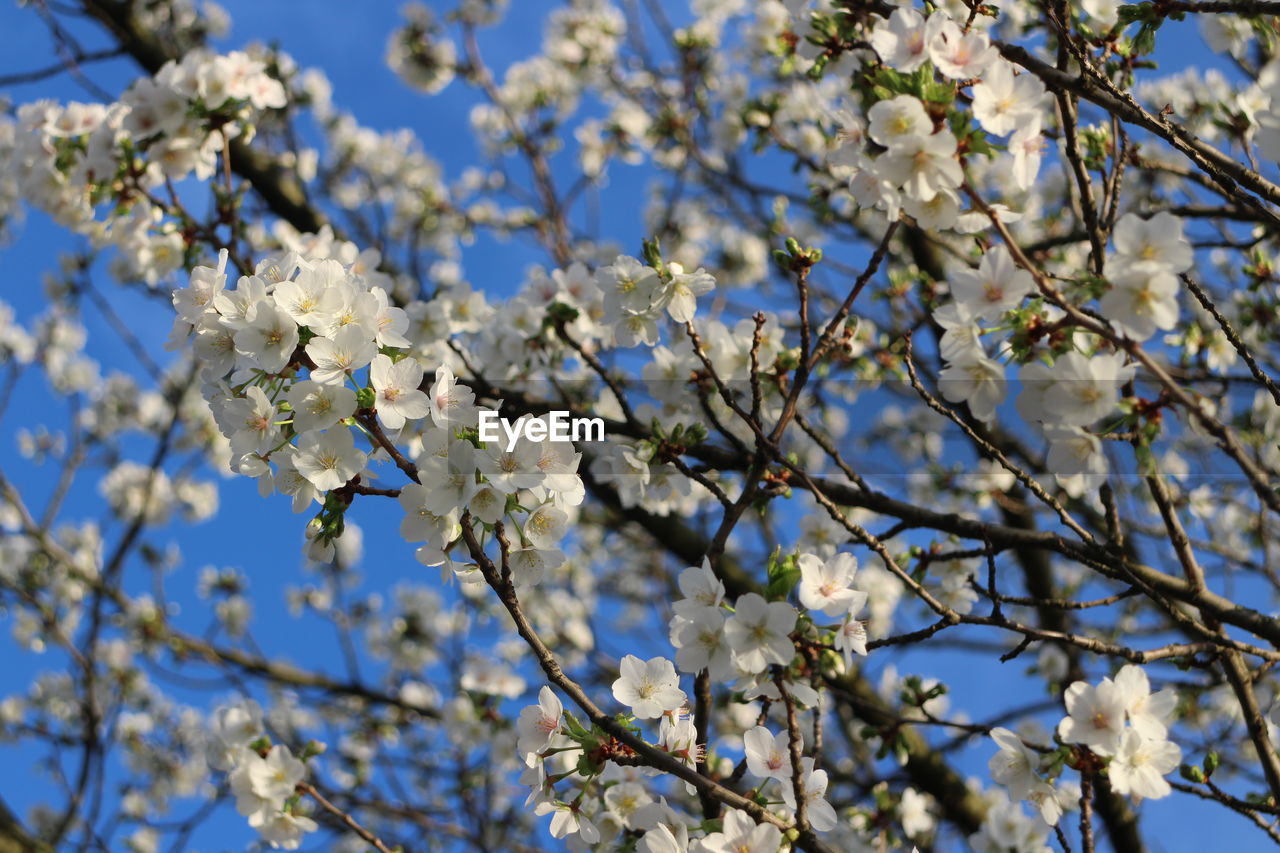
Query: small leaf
(784, 574)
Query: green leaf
(586, 766)
(1145, 40)
(784, 574)
(558, 312)
(979, 143)
(937, 93)
(576, 730)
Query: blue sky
(349, 47)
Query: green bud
(312, 749)
(653, 256)
(783, 575)
(900, 750)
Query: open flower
(741, 834)
(768, 755)
(813, 787)
(1095, 716)
(398, 396)
(1148, 712)
(682, 293)
(1158, 240)
(312, 297)
(649, 688)
(996, 286)
(1085, 389)
(349, 349)
(567, 819)
(269, 338)
(851, 639)
(1003, 101)
(284, 829)
(317, 406)
(1143, 297)
(701, 589)
(1140, 765)
(251, 421)
(923, 165)
(701, 644)
(1015, 765)
(958, 54)
(629, 286)
(328, 459)
(275, 777)
(974, 379)
(538, 725)
(758, 632)
(894, 120)
(824, 586)
(452, 405)
(902, 41)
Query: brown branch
(794, 749)
(346, 819)
(1254, 368)
(1225, 171)
(23, 77)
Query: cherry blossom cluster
(74, 160)
(549, 735)
(620, 305)
(1016, 212)
(649, 687)
(1066, 387)
(264, 777)
(1121, 719)
(753, 644)
(295, 435)
(912, 123)
(755, 634)
(1119, 727)
(635, 296)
